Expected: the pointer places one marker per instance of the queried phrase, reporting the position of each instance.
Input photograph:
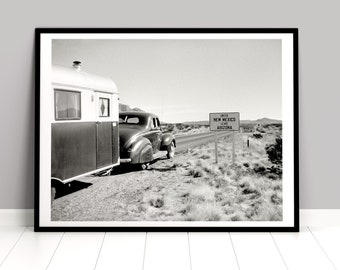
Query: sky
(185, 80)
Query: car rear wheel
(171, 150)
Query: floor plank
(77, 251)
(329, 240)
(301, 250)
(33, 251)
(212, 251)
(122, 251)
(167, 251)
(8, 238)
(256, 251)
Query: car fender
(167, 138)
(141, 151)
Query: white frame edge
(308, 217)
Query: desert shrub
(227, 201)
(190, 163)
(220, 182)
(156, 202)
(197, 172)
(276, 169)
(251, 189)
(277, 186)
(235, 218)
(199, 163)
(204, 156)
(272, 176)
(202, 193)
(274, 172)
(254, 185)
(269, 213)
(211, 169)
(259, 169)
(257, 135)
(186, 209)
(218, 196)
(276, 199)
(223, 168)
(185, 195)
(274, 151)
(205, 212)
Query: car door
(154, 135)
(158, 134)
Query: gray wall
(319, 75)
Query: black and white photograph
(174, 129)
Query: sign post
(216, 155)
(226, 121)
(233, 147)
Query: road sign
(228, 121)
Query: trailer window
(104, 107)
(67, 105)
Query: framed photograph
(166, 130)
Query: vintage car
(141, 138)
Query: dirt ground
(189, 187)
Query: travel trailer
(84, 129)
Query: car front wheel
(171, 150)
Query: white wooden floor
(312, 248)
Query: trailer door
(104, 130)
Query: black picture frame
(39, 148)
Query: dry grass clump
(276, 198)
(202, 193)
(197, 172)
(155, 200)
(205, 212)
(277, 186)
(268, 212)
(236, 217)
(223, 167)
(212, 170)
(205, 156)
(252, 185)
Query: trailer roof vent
(77, 65)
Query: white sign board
(228, 121)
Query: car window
(132, 120)
(155, 123)
(125, 119)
